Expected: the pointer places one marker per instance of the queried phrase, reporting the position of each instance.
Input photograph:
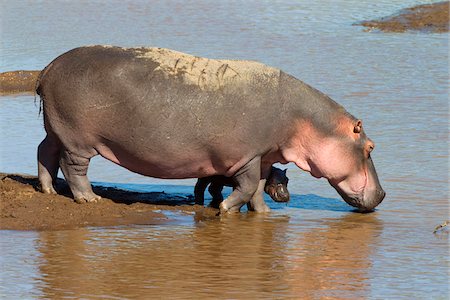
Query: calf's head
(276, 185)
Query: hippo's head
(339, 152)
(276, 185)
(346, 162)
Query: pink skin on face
(334, 160)
(332, 157)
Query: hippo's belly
(169, 165)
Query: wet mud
(18, 82)
(23, 207)
(433, 18)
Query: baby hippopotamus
(276, 187)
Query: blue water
(316, 246)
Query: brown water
(266, 258)
(316, 246)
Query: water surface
(316, 246)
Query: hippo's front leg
(247, 181)
(257, 202)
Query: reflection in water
(337, 259)
(238, 256)
(69, 249)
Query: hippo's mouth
(353, 197)
(278, 192)
(362, 202)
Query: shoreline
(427, 18)
(23, 207)
(14, 82)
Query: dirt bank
(427, 18)
(22, 207)
(18, 82)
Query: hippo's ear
(358, 126)
(284, 171)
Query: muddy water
(315, 247)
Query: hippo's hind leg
(74, 167)
(247, 181)
(48, 163)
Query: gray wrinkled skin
(166, 114)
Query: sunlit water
(316, 246)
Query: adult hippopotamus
(275, 187)
(167, 114)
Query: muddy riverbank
(23, 207)
(18, 82)
(432, 18)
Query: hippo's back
(202, 73)
(104, 79)
(140, 101)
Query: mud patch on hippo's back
(208, 74)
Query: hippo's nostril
(380, 196)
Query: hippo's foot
(47, 189)
(224, 210)
(74, 167)
(91, 198)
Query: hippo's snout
(372, 200)
(282, 194)
(366, 202)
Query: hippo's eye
(370, 146)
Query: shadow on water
(180, 194)
(173, 195)
(122, 193)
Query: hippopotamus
(275, 187)
(167, 114)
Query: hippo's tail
(38, 88)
